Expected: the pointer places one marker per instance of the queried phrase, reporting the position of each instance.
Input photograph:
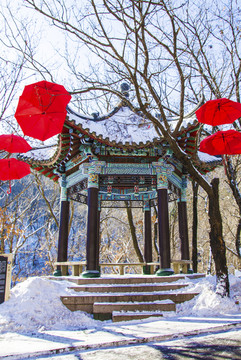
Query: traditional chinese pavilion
(117, 159)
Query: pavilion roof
(120, 128)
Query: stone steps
(128, 298)
(134, 315)
(121, 288)
(86, 302)
(107, 308)
(116, 279)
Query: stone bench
(76, 266)
(121, 266)
(179, 266)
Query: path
(222, 346)
(174, 339)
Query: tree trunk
(194, 224)
(232, 181)
(216, 240)
(210, 260)
(133, 234)
(155, 239)
(238, 240)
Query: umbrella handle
(10, 188)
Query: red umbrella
(41, 109)
(219, 112)
(14, 144)
(222, 142)
(11, 169)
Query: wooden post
(92, 244)
(63, 227)
(98, 240)
(147, 238)
(164, 236)
(162, 170)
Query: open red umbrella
(222, 143)
(11, 169)
(14, 144)
(41, 109)
(219, 112)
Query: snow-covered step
(107, 288)
(134, 315)
(109, 307)
(143, 294)
(123, 279)
(85, 302)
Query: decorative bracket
(162, 170)
(94, 169)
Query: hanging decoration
(41, 113)
(12, 169)
(219, 112)
(41, 109)
(222, 143)
(14, 144)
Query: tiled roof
(121, 128)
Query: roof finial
(124, 89)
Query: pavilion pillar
(63, 226)
(182, 220)
(147, 237)
(93, 222)
(162, 170)
(92, 243)
(98, 239)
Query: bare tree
(220, 75)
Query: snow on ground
(35, 305)
(208, 303)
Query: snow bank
(208, 303)
(35, 305)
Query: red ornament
(11, 169)
(222, 143)
(219, 112)
(41, 109)
(14, 144)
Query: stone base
(164, 272)
(146, 270)
(57, 273)
(91, 274)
